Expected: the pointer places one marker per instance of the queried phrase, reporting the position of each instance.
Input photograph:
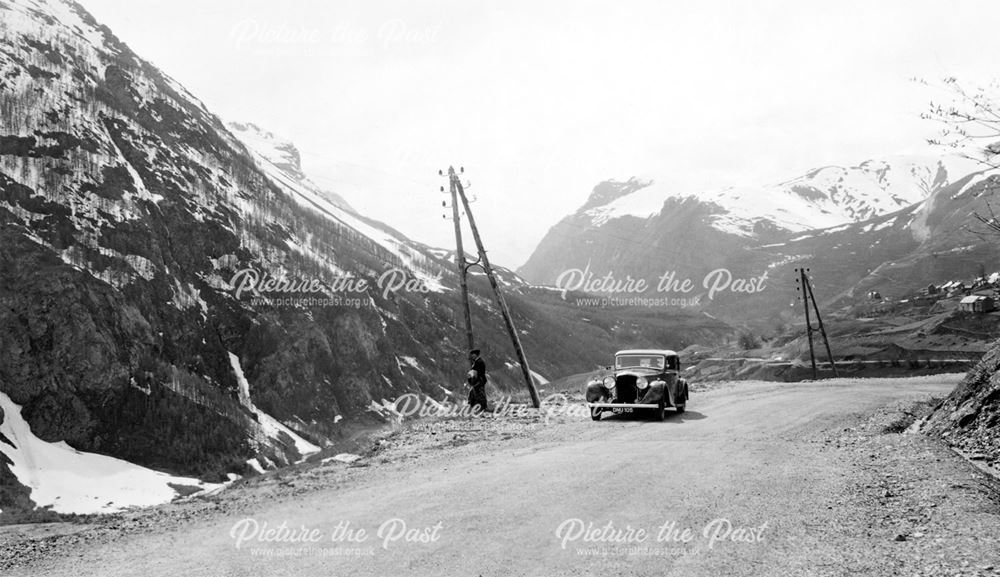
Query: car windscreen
(639, 361)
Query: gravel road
(755, 479)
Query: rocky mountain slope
(128, 212)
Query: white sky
(542, 100)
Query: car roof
(666, 352)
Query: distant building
(932, 290)
(980, 283)
(954, 287)
(977, 304)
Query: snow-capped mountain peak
(277, 150)
(282, 154)
(822, 198)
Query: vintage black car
(641, 380)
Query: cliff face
(969, 419)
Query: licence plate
(619, 410)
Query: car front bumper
(622, 405)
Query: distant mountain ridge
(822, 198)
(880, 225)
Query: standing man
(477, 380)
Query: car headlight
(609, 382)
(641, 383)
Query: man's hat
(474, 352)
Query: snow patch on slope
(978, 178)
(409, 361)
(72, 481)
(643, 203)
(272, 427)
(538, 378)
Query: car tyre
(595, 413)
(661, 412)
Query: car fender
(655, 392)
(672, 391)
(595, 391)
(675, 389)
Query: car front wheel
(681, 407)
(595, 413)
(661, 412)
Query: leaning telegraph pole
(822, 331)
(809, 329)
(484, 262)
(460, 261)
(808, 295)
